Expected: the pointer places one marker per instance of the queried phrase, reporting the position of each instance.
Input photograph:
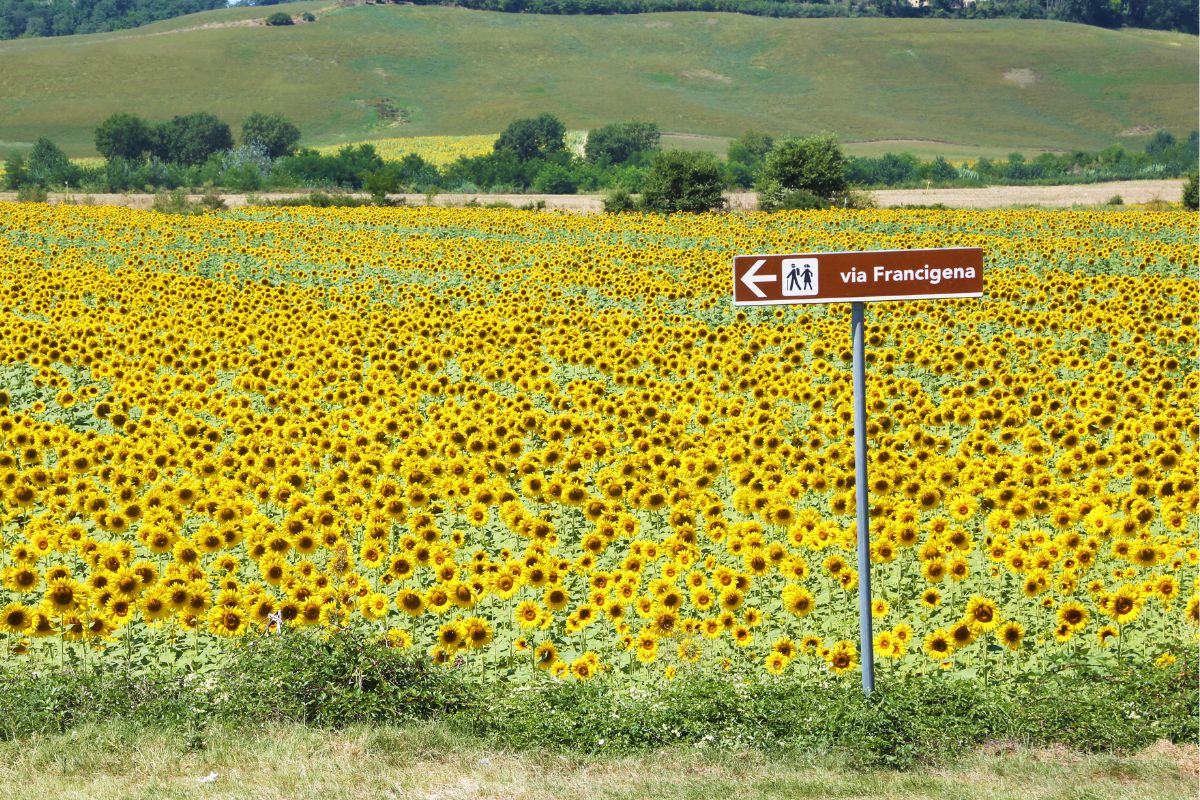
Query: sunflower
(842, 658)
(1010, 635)
(938, 644)
(982, 613)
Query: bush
(280, 18)
(191, 139)
(800, 200)
(343, 679)
(1191, 191)
(555, 179)
(683, 181)
(123, 136)
(49, 166)
(308, 16)
(617, 143)
(619, 201)
(276, 134)
(814, 165)
(31, 193)
(178, 202)
(532, 138)
(14, 172)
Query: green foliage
(14, 171)
(31, 193)
(812, 166)
(65, 17)
(745, 158)
(620, 141)
(908, 721)
(683, 181)
(619, 201)
(1191, 191)
(1162, 14)
(48, 166)
(315, 200)
(342, 679)
(555, 179)
(533, 138)
(124, 136)
(191, 139)
(351, 678)
(178, 202)
(308, 16)
(280, 18)
(277, 135)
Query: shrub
(280, 18)
(275, 133)
(619, 201)
(532, 138)
(123, 136)
(49, 166)
(617, 143)
(14, 172)
(683, 181)
(814, 165)
(191, 139)
(308, 16)
(555, 179)
(1191, 191)
(31, 193)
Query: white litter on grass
(209, 778)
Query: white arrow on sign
(751, 280)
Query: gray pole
(866, 641)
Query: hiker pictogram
(799, 277)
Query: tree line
(64, 17)
(1172, 15)
(624, 159)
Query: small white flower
(209, 778)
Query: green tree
(277, 135)
(555, 179)
(49, 166)
(617, 143)
(123, 136)
(683, 181)
(814, 165)
(1191, 191)
(280, 18)
(534, 137)
(14, 172)
(191, 139)
(745, 157)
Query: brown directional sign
(765, 280)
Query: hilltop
(386, 70)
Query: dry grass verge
(429, 761)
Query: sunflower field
(514, 441)
(443, 150)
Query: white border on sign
(851, 252)
(790, 301)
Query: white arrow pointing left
(752, 280)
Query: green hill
(378, 70)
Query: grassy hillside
(402, 70)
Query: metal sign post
(859, 278)
(865, 638)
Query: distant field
(929, 86)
